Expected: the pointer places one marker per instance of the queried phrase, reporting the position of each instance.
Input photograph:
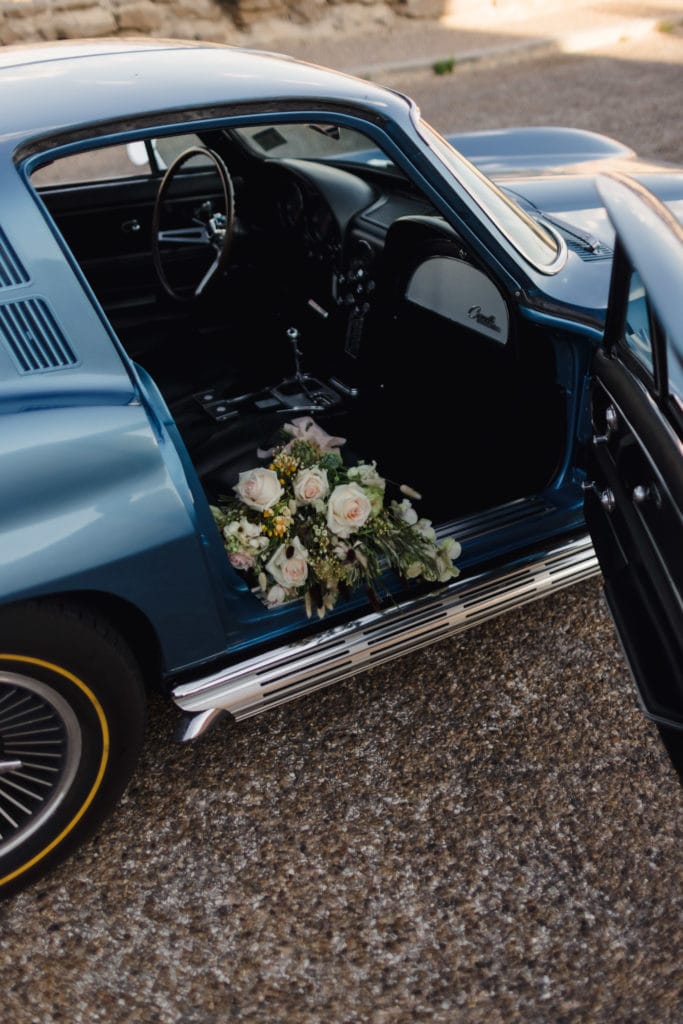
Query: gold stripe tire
(72, 715)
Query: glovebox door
(634, 494)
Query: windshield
(306, 141)
(541, 248)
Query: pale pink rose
(289, 564)
(240, 560)
(349, 509)
(310, 485)
(259, 488)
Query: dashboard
(345, 241)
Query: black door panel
(634, 502)
(637, 528)
(108, 227)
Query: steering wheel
(210, 230)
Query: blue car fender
(92, 504)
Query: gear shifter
(299, 380)
(293, 335)
(301, 391)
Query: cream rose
(349, 509)
(311, 485)
(259, 488)
(289, 564)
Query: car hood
(552, 172)
(572, 204)
(536, 150)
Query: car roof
(53, 88)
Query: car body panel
(94, 508)
(152, 78)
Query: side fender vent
(33, 337)
(12, 273)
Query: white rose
(310, 485)
(289, 564)
(259, 488)
(348, 510)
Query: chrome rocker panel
(293, 670)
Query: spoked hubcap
(40, 748)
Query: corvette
(202, 247)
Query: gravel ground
(631, 91)
(486, 831)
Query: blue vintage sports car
(214, 266)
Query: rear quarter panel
(94, 497)
(90, 505)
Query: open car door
(634, 500)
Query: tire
(72, 715)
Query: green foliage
(444, 67)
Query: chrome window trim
(544, 268)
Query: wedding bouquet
(308, 526)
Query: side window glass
(112, 162)
(637, 334)
(166, 149)
(95, 165)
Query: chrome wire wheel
(40, 750)
(72, 714)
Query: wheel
(210, 231)
(72, 715)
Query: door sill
(293, 670)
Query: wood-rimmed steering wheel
(210, 230)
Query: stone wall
(226, 21)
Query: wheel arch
(126, 618)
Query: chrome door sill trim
(293, 670)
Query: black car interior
(331, 297)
